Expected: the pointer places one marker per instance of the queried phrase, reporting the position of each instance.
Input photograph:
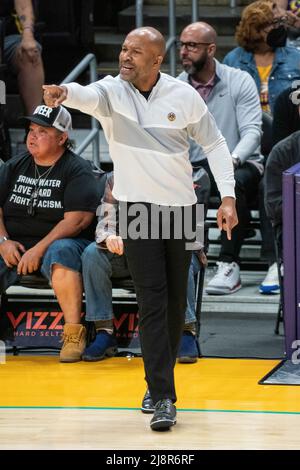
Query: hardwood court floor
(45, 404)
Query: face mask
(277, 37)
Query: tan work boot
(74, 343)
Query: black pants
(247, 179)
(159, 269)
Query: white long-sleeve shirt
(148, 138)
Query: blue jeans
(66, 252)
(99, 266)
(190, 313)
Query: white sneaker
(270, 284)
(226, 281)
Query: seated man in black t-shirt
(48, 199)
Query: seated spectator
(104, 260)
(262, 52)
(283, 156)
(22, 53)
(48, 199)
(286, 118)
(231, 97)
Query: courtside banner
(32, 324)
(126, 324)
(39, 324)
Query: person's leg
(159, 269)
(147, 264)
(30, 75)
(178, 264)
(271, 282)
(97, 272)
(8, 276)
(98, 267)
(62, 266)
(190, 313)
(67, 285)
(247, 178)
(227, 279)
(189, 350)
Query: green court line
(184, 410)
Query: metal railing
(139, 4)
(94, 136)
(171, 41)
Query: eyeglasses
(191, 46)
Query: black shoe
(164, 415)
(147, 403)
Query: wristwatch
(3, 239)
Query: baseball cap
(45, 116)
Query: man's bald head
(141, 57)
(202, 32)
(150, 35)
(197, 50)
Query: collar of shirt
(204, 89)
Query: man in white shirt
(147, 117)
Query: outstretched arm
(90, 99)
(54, 95)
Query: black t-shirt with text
(70, 186)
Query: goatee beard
(195, 67)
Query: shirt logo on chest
(171, 117)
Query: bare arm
(71, 225)
(28, 44)
(25, 13)
(10, 250)
(54, 95)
